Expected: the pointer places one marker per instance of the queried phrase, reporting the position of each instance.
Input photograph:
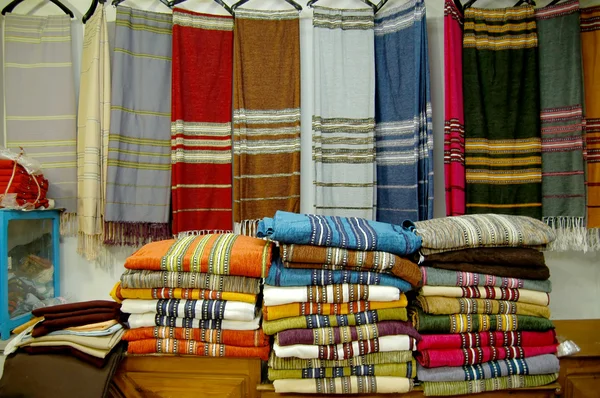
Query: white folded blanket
(275, 295)
(199, 309)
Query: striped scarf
(138, 176)
(266, 117)
(403, 131)
(590, 39)
(502, 124)
(201, 122)
(92, 135)
(343, 121)
(454, 119)
(561, 100)
(40, 102)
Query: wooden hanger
(530, 2)
(11, 6)
(165, 2)
(91, 10)
(367, 2)
(290, 2)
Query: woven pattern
(345, 385)
(478, 355)
(407, 369)
(364, 360)
(193, 347)
(450, 305)
(120, 293)
(494, 384)
(296, 309)
(487, 339)
(242, 338)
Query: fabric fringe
(246, 227)
(69, 225)
(571, 234)
(134, 234)
(593, 239)
(203, 232)
(90, 246)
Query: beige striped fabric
(92, 135)
(40, 102)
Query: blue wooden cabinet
(29, 264)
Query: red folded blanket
(192, 347)
(472, 356)
(240, 338)
(486, 339)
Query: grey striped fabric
(138, 187)
(344, 112)
(40, 101)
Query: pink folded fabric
(487, 339)
(472, 356)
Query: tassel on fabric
(246, 227)
(593, 239)
(134, 234)
(68, 224)
(571, 234)
(90, 246)
(203, 232)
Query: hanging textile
(92, 135)
(40, 102)
(590, 46)
(561, 103)
(201, 122)
(403, 132)
(454, 119)
(502, 115)
(344, 115)
(138, 177)
(266, 117)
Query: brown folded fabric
(45, 327)
(84, 305)
(72, 314)
(56, 376)
(537, 272)
(507, 256)
(66, 350)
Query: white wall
(575, 276)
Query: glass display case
(29, 261)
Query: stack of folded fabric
(335, 302)
(30, 190)
(196, 295)
(483, 310)
(87, 330)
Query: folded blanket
(362, 360)
(64, 350)
(479, 355)
(487, 339)
(220, 254)
(197, 309)
(346, 232)
(45, 327)
(514, 257)
(443, 277)
(538, 273)
(95, 343)
(89, 333)
(336, 258)
(485, 292)
(407, 369)
(120, 293)
(336, 352)
(280, 276)
(276, 295)
(449, 305)
(321, 321)
(482, 230)
(193, 347)
(241, 338)
(346, 334)
(271, 313)
(461, 323)
(151, 320)
(94, 326)
(536, 365)
(79, 313)
(84, 305)
(345, 385)
(137, 279)
(447, 388)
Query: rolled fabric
(442, 277)
(484, 292)
(151, 320)
(450, 305)
(342, 293)
(479, 355)
(346, 334)
(407, 369)
(193, 347)
(345, 385)
(197, 309)
(447, 388)
(487, 339)
(242, 338)
(541, 364)
(362, 360)
(347, 232)
(271, 313)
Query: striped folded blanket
(241, 338)
(320, 321)
(280, 276)
(344, 293)
(119, 293)
(346, 334)
(337, 258)
(447, 388)
(271, 313)
(345, 385)
(506, 256)
(479, 355)
(442, 277)
(523, 272)
(346, 232)
(486, 292)
(193, 347)
(151, 320)
(462, 323)
(219, 254)
(377, 358)
(487, 339)
(407, 369)
(336, 352)
(196, 309)
(450, 305)
(144, 279)
(537, 365)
